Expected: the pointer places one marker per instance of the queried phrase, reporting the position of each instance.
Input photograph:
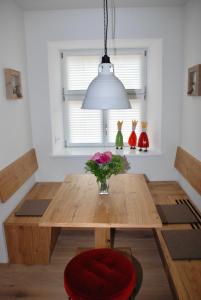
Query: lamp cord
(114, 26)
(105, 8)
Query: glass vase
(103, 187)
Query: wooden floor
(46, 282)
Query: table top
(78, 204)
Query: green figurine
(119, 137)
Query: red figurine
(143, 141)
(132, 141)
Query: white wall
(191, 116)
(15, 132)
(132, 23)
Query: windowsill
(89, 151)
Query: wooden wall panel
(28, 244)
(189, 167)
(13, 176)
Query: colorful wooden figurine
(119, 137)
(132, 141)
(143, 141)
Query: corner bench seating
(184, 275)
(27, 243)
(30, 244)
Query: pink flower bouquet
(105, 164)
(102, 158)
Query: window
(96, 127)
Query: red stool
(100, 274)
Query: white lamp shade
(106, 91)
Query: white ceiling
(80, 4)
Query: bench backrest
(189, 167)
(14, 176)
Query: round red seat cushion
(100, 274)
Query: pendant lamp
(106, 91)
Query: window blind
(87, 127)
(129, 69)
(84, 126)
(79, 71)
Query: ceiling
(81, 4)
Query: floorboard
(46, 282)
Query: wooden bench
(184, 275)
(27, 243)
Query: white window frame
(81, 52)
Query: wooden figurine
(132, 141)
(143, 141)
(119, 137)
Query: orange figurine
(143, 141)
(132, 141)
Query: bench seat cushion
(184, 275)
(40, 190)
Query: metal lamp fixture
(106, 91)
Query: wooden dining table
(77, 204)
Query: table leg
(102, 238)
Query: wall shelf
(13, 84)
(194, 81)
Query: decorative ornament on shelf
(103, 166)
(13, 84)
(132, 141)
(143, 141)
(119, 142)
(194, 81)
